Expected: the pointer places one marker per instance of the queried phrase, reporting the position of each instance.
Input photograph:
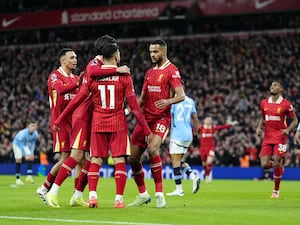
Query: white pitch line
(78, 221)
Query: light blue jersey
(181, 125)
(24, 140)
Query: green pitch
(224, 202)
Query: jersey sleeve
(137, 112)
(97, 71)
(58, 85)
(175, 78)
(74, 103)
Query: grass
(226, 202)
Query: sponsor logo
(263, 4)
(6, 23)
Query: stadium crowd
(226, 75)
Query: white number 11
(111, 89)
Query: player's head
(103, 40)
(32, 126)
(67, 58)
(111, 52)
(208, 120)
(277, 87)
(158, 51)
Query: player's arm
(61, 88)
(73, 104)
(291, 126)
(137, 112)
(195, 123)
(297, 135)
(96, 71)
(259, 126)
(178, 97)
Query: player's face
(32, 127)
(156, 53)
(69, 60)
(275, 88)
(118, 56)
(208, 121)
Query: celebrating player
(62, 88)
(81, 129)
(157, 96)
(275, 110)
(207, 144)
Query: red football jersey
(108, 96)
(275, 116)
(159, 83)
(207, 135)
(61, 89)
(84, 110)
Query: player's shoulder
(54, 75)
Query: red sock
(120, 177)
(138, 175)
(208, 169)
(83, 179)
(93, 176)
(277, 178)
(156, 170)
(270, 164)
(65, 170)
(49, 181)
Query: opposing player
(207, 144)
(161, 88)
(81, 129)
(62, 88)
(23, 145)
(184, 129)
(275, 110)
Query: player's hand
(285, 132)
(297, 137)
(123, 69)
(80, 80)
(195, 141)
(258, 131)
(162, 103)
(233, 123)
(55, 127)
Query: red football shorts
(204, 153)
(116, 142)
(61, 139)
(159, 127)
(273, 149)
(81, 134)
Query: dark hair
(281, 82)
(102, 41)
(160, 42)
(109, 50)
(63, 51)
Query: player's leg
(209, 165)
(278, 156)
(18, 158)
(195, 179)
(137, 148)
(29, 157)
(66, 168)
(177, 172)
(99, 150)
(120, 148)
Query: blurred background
(228, 52)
